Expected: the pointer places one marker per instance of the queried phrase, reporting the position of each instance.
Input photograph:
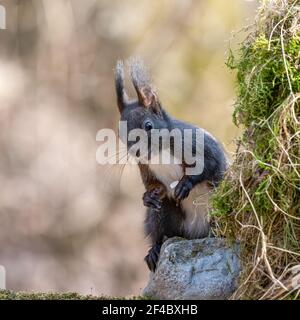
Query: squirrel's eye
(148, 125)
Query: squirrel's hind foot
(152, 257)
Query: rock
(200, 269)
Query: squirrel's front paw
(152, 199)
(182, 190)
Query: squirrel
(171, 211)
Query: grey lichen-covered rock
(201, 269)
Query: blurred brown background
(66, 223)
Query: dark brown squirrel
(171, 211)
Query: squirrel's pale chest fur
(195, 206)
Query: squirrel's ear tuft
(141, 80)
(119, 83)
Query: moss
(11, 295)
(258, 201)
